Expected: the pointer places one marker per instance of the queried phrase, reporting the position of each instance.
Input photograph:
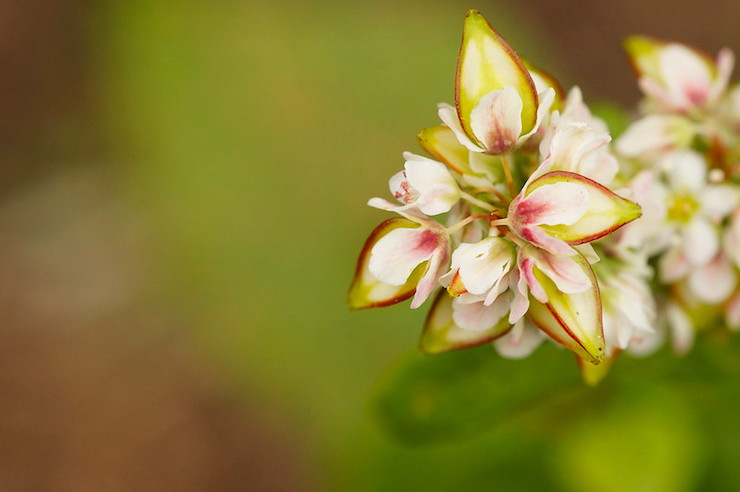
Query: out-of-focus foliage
(249, 134)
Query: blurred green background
(183, 199)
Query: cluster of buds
(525, 224)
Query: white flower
(424, 184)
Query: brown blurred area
(100, 391)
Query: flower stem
(507, 175)
(465, 222)
(478, 203)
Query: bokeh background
(182, 198)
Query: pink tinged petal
(429, 281)
(441, 143)
(655, 134)
(448, 115)
(496, 120)
(700, 241)
(606, 211)
(401, 189)
(520, 342)
(552, 204)
(566, 272)
(366, 289)
(539, 237)
(487, 63)
(395, 255)
(442, 334)
(526, 273)
(572, 320)
(713, 282)
(680, 327)
(686, 76)
(725, 65)
(484, 263)
(732, 312)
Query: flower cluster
(525, 223)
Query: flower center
(681, 208)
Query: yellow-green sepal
(441, 334)
(367, 291)
(441, 143)
(572, 320)
(487, 63)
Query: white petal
(700, 241)
(686, 170)
(717, 201)
(484, 263)
(398, 253)
(497, 120)
(681, 329)
(477, 316)
(428, 282)
(520, 303)
(673, 265)
(546, 98)
(713, 282)
(520, 342)
(448, 115)
(436, 188)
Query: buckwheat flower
(403, 257)
(497, 107)
(694, 207)
(480, 269)
(655, 135)
(425, 184)
(677, 78)
(559, 209)
(628, 303)
(577, 147)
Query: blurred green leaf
(647, 440)
(432, 398)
